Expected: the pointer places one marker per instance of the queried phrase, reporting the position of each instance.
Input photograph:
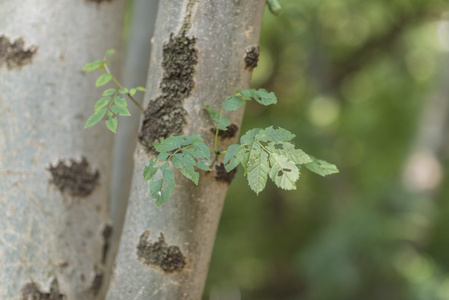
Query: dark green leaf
(186, 163)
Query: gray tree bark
(54, 175)
(164, 252)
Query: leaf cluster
(186, 153)
(269, 153)
(112, 102)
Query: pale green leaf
(321, 167)
(150, 170)
(230, 159)
(265, 98)
(109, 52)
(278, 135)
(186, 165)
(102, 102)
(111, 123)
(109, 92)
(142, 89)
(123, 91)
(103, 79)
(233, 103)
(283, 172)
(92, 66)
(132, 92)
(121, 110)
(120, 101)
(96, 117)
(246, 94)
(274, 7)
(168, 144)
(288, 150)
(258, 168)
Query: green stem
(216, 134)
(121, 87)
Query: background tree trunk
(54, 175)
(220, 33)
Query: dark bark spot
(166, 115)
(251, 57)
(31, 291)
(160, 254)
(223, 175)
(107, 234)
(77, 178)
(97, 283)
(226, 134)
(13, 53)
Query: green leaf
(92, 66)
(265, 98)
(121, 110)
(274, 7)
(109, 92)
(288, 150)
(168, 144)
(230, 159)
(278, 135)
(249, 147)
(111, 123)
(132, 92)
(258, 170)
(150, 170)
(109, 52)
(120, 101)
(283, 172)
(123, 91)
(96, 117)
(201, 150)
(246, 94)
(163, 156)
(142, 89)
(186, 163)
(321, 167)
(103, 79)
(102, 102)
(222, 123)
(163, 188)
(233, 103)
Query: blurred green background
(364, 85)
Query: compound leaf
(321, 167)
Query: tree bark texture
(54, 174)
(164, 252)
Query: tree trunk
(198, 58)
(54, 175)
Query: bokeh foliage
(352, 78)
